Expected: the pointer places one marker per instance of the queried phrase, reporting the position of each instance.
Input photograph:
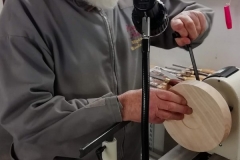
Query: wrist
(122, 101)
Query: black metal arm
(105, 136)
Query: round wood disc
(210, 122)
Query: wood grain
(210, 122)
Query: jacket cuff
(115, 106)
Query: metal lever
(193, 62)
(145, 87)
(101, 138)
(189, 48)
(105, 136)
(99, 152)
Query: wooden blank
(210, 122)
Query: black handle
(176, 35)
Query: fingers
(178, 26)
(197, 23)
(189, 24)
(203, 21)
(174, 108)
(182, 41)
(170, 96)
(169, 115)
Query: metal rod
(193, 62)
(176, 65)
(176, 69)
(103, 137)
(145, 88)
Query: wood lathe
(214, 126)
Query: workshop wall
(220, 49)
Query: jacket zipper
(112, 48)
(114, 64)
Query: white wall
(221, 48)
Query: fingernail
(184, 102)
(190, 111)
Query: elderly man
(69, 69)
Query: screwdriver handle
(176, 35)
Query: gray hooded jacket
(61, 69)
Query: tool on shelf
(205, 71)
(169, 81)
(177, 75)
(161, 79)
(186, 73)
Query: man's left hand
(189, 24)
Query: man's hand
(164, 105)
(189, 24)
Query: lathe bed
(180, 153)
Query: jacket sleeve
(29, 108)
(175, 7)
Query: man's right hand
(163, 105)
